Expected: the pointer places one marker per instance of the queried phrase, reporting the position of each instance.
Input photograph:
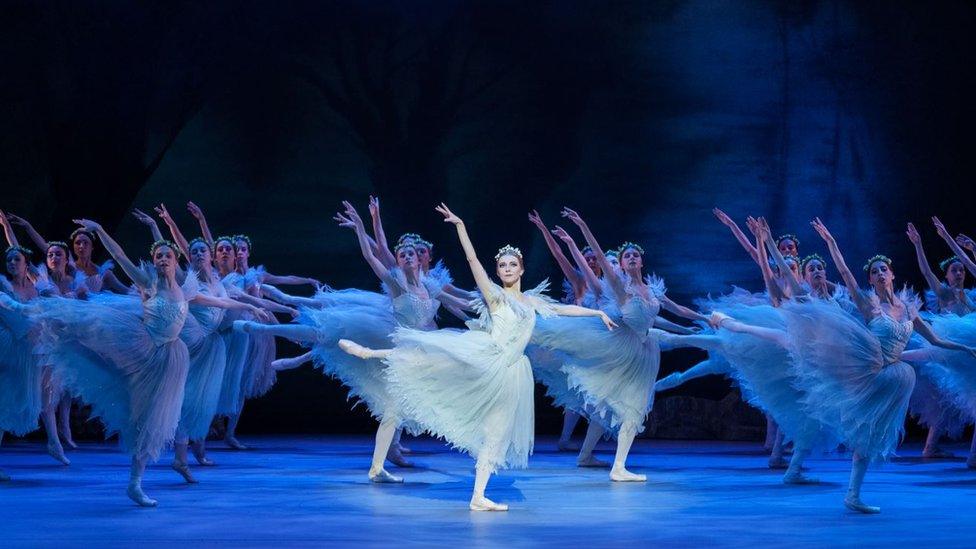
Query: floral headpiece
(405, 244)
(84, 231)
(245, 238)
(227, 238)
(612, 253)
(163, 242)
(809, 258)
(944, 265)
(189, 246)
(59, 244)
(408, 236)
(788, 237)
(508, 249)
(587, 250)
(882, 258)
(630, 244)
(23, 251)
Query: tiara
(612, 253)
(630, 244)
(58, 243)
(227, 238)
(882, 258)
(405, 244)
(84, 231)
(586, 250)
(949, 261)
(23, 251)
(788, 237)
(809, 258)
(508, 249)
(163, 242)
(189, 246)
(245, 238)
(409, 236)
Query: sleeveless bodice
(163, 318)
(892, 334)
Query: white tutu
(208, 359)
(20, 375)
(955, 374)
(473, 388)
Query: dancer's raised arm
(925, 330)
(147, 220)
(576, 280)
(786, 273)
(769, 278)
(956, 249)
(862, 302)
(350, 219)
(196, 212)
(380, 244)
(737, 233)
(8, 230)
(137, 275)
(940, 291)
(608, 273)
(591, 279)
(174, 230)
(485, 285)
(35, 236)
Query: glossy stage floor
(313, 490)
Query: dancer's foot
(664, 339)
(778, 462)
(567, 446)
(355, 349)
(971, 461)
(854, 503)
(396, 458)
(383, 476)
(668, 382)
(484, 504)
(403, 449)
(621, 474)
(232, 442)
(799, 478)
(66, 439)
(935, 452)
(243, 326)
(57, 452)
(592, 461)
(200, 454)
(184, 470)
(135, 493)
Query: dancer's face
(200, 255)
(631, 260)
(407, 258)
(243, 251)
(225, 255)
(16, 263)
(814, 272)
(881, 276)
(787, 246)
(613, 261)
(593, 264)
(164, 258)
(57, 258)
(82, 246)
(955, 275)
(509, 269)
(423, 256)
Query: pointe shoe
(396, 458)
(383, 477)
(243, 326)
(936, 453)
(184, 470)
(669, 381)
(592, 461)
(620, 474)
(778, 462)
(57, 452)
(403, 449)
(567, 446)
(135, 493)
(201, 456)
(234, 443)
(855, 504)
(971, 461)
(799, 478)
(355, 349)
(484, 504)
(66, 440)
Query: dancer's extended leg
(134, 491)
(64, 421)
(859, 466)
(565, 444)
(49, 405)
(384, 438)
(625, 438)
(586, 457)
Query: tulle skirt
(613, 372)
(236, 345)
(464, 387)
(845, 382)
(258, 376)
(20, 379)
(547, 367)
(208, 358)
(955, 374)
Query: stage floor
(313, 490)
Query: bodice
(164, 317)
(892, 334)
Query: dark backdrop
(642, 115)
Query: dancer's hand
(716, 319)
(143, 217)
(374, 206)
(352, 214)
(313, 283)
(163, 213)
(17, 220)
(940, 228)
(913, 235)
(536, 220)
(764, 227)
(194, 210)
(753, 225)
(261, 314)
(561, 234)
(966, 242)
(293, 313)
(572, 216)
(822, 230)
(87, 224)
(449, 216)
(607, 321)
(344, 221)
(723, 217)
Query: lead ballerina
(474, 388)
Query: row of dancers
(826, 362)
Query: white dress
(20, 374)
